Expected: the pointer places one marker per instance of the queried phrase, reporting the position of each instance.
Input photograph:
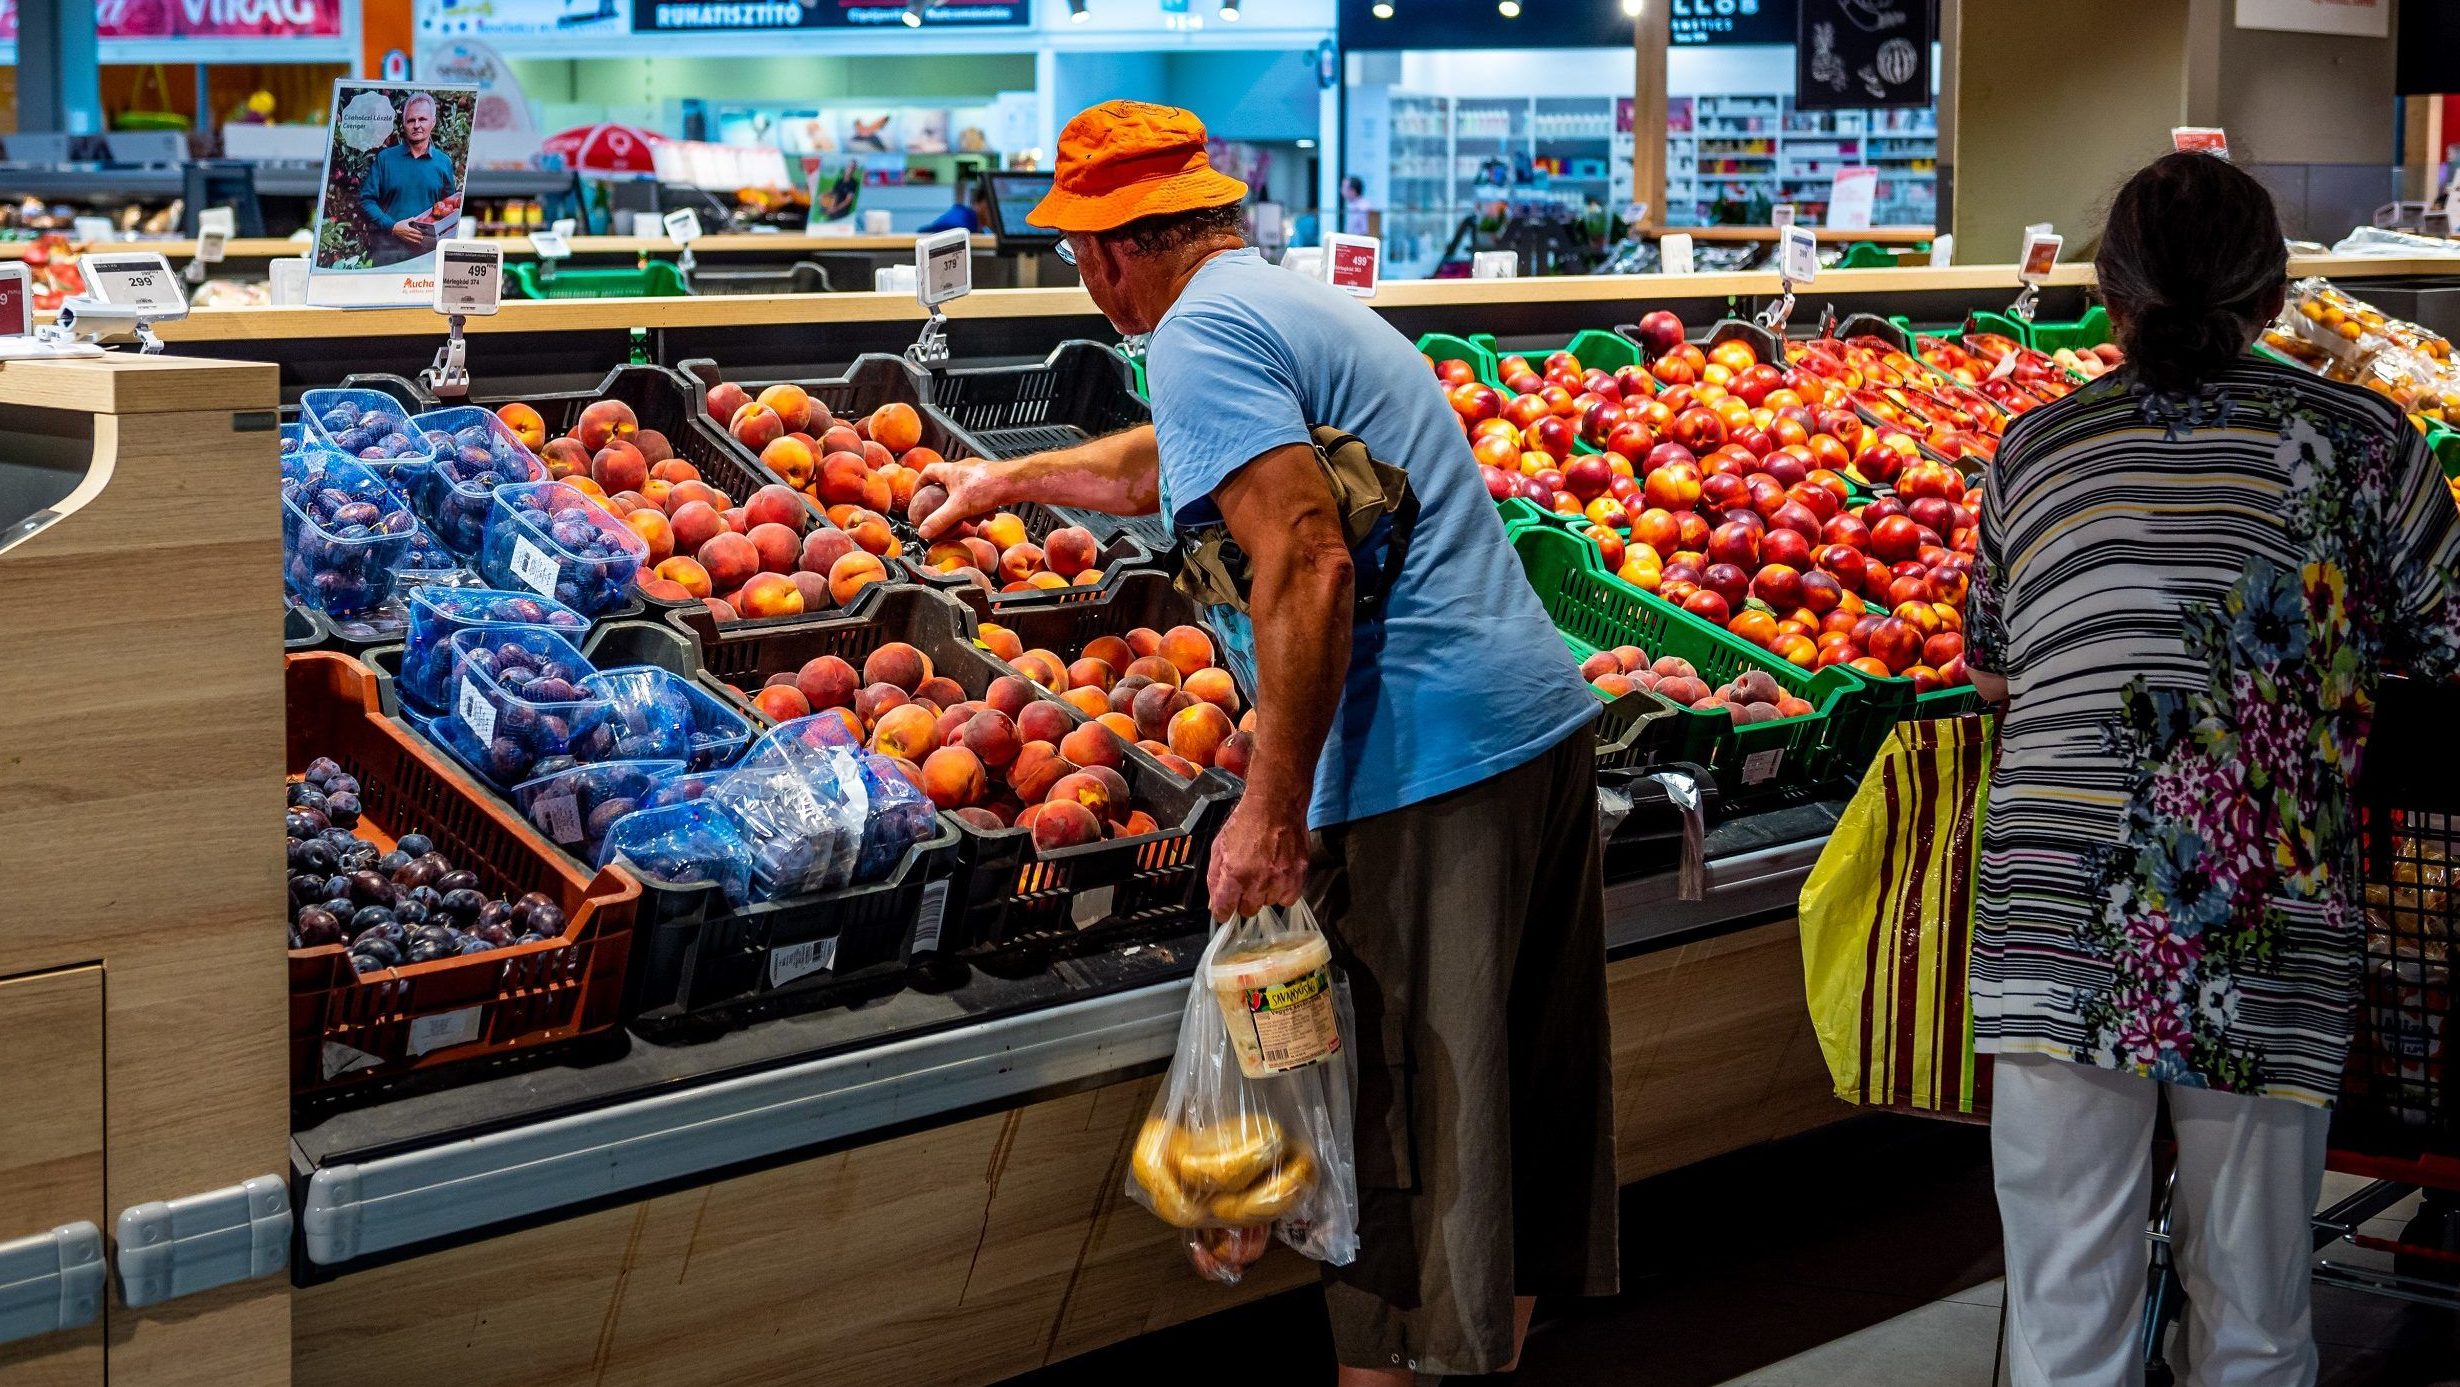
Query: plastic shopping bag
(1887, 926)
(1250, 1136)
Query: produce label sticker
(445, 1029)
(135, 279)
(340, 1059)
(397, 163)
(2041, 255)
(16, 300)
(932, 917)
(1092, 907)
(476, 712)
(1798, 255)
(793, 961)
(1354, 264)
(1762, 765)
(943, 267)
(2199, 139)
(1674, 253)
(534, 567)
(560, 816)
(469, 278)
(682, 226)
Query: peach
(1094, 674)
(564, 457)
(792, 405)
(919, 458)
(1004, 531)
(1043, 668)
(525, 423)
(1144, 640)
(992, 735)
(655, 531)
(777, 545)
(953, 777)
(815, 590)
(942, 690)
(1214, 685)
(730, 558)
(949, 729)
(878, 493)
(695, 524)
(978, 818)
(897, 663)
(686, 492)
(840, 479)
(1120, 724)
(771, 594)
(1044, 721)
(837, 438)
(1110, 650)
(1187, 647)
(947, 556)
(719, 608)
(1155, 706)
(986, 557)
(872, 535)
(896, 426)
(901, 484)
(655, 493)
(1123, 693)
(781, 703)
(1137, 824)
(619, 467)
(725, 398)
(852, 573)
(999, 640)
(905, 730)
(828, 681)
(1247, 721)
(1237, 750)
(823, 547)
(663, 589)
(1039, 582)
(1011, 695)
(1176, 764)
(736, 520)
(1155, 668)
(1094, 745)
(872, 702)
(654, 446)
(1038, 766)
(1088, 790)
(777, 505)
(672, 471)
(1197, 732)
(1065, 824)
(756, 426)
(876, 456)
(1090, 701)
(1019, 562)
(604, 422)
(1069, 550)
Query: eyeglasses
(1066, 252)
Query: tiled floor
(1864, 1254)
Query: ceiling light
(1383, 9)
(1230, 11)
(1076, 12)
(1509, 9)
(1634, 7)
(913, 14)
(1306, 144)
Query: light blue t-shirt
(1463, 677)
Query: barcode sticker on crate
(534, 567)
(1762, 765)
(1092, 907)
(444, 1029)
(933, 915)
(340, 1059)
(798, 960)
(559, 816)
(476, 712)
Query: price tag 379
(1798, 255)
(469, 277)
(943, 266)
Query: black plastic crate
(1008, 896)
(303, 628)
(2396, 1094)
(1123, 602)
(1082, 390)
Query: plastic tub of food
(553, 540)
(653, 713)
(344, 532)
(368, 425)
(438, 614)
(517, 691)
(574, 807)
(475, 453)
(1276, 998)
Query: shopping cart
(2397, 1123)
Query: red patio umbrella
(605, 148)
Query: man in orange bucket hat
(1422, 769)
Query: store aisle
(1863, 1254)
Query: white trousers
(2071, 1156)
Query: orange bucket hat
(1123, 160)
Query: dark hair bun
(2191, 257)
(2186, 344)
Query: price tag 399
(469, 277)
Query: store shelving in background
(1729, 158)
(1451, 156)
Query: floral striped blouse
(2192, 598)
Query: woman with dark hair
(2192, 573)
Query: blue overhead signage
(1731, 21)
(734, 16)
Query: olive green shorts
(1472, 928)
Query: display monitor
(1012, 196)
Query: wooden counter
(782, 243)
(1828, 235)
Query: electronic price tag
(93, 230)
(1304, 260)
(1674, 253)
(127, 292)
(1494, 264)
(1354, 264)
(550, 245)
(943, 266)
(1781, 216)
(2041, 255)
(682, 226)
(469, 277)
(1797, 255)
(16, 300)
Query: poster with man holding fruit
(395, 166)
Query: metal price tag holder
(943, 270)
(2041, 253)
(469, 280)
(1797, 263)
(127, 292)
(683, 228)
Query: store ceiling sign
(2363, 18)
(1731, 21)
(734, 16)
(1449, 24)
(246, 19)
(1857, 53)
(519, 18)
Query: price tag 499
(469, 277)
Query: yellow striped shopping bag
(1887, 925)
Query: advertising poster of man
(396, 162)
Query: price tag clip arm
(931, 348)
(449, 377)
(1774, 315)
(2028, 302)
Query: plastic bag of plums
(574, 807)
(654, 713)
(344, 532)
(475, 454)
(551, 539)
(437, 614)
(683, 845)
(801, 813)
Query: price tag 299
(1797, 255)
(134, 279)
(943, 266)
(469, 277)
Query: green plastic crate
(1809, 753)
(1443, 347)
(659, 279)
(1596, 348)
(2446, 445)
(1867, 255)
(2091, 330)
(1634, 731)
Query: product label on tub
(1762, 765)
(800, 960)
(534, 567)
(476, 712)
(933, 916)
(444, 1029)
(560, 817)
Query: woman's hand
(974, 487)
